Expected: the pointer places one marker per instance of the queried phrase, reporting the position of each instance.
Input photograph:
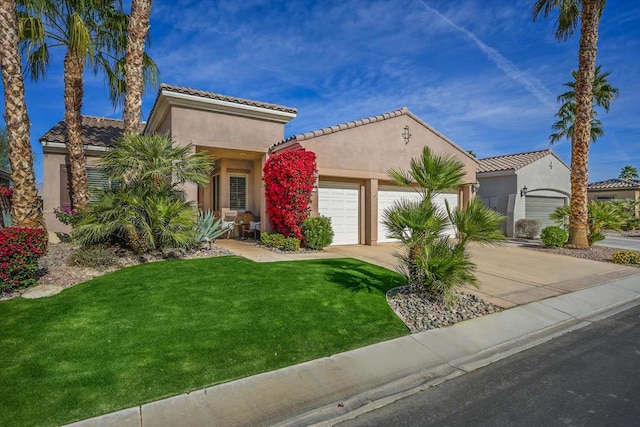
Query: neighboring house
(239, 134)
(615, 189)
(5, 178)
(524, 185)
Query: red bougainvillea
(289, 179)
(20, 249)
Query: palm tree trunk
(138, 28)
(73, 92)
(25, 208)
(578, 218)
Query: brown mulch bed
(54, 269)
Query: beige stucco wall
(369, 151)
(51, 186)
(617, 194)
(207, 129)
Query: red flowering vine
(289, 178)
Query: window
(95, 181)
(238, 192)
(605, 197)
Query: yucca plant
(430, 260)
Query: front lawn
(151, 331)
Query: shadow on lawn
(356, 277)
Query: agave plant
(209, 228)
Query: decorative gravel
(422, 311)
(594, 253)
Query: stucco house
(524, 185)
(240, 134)
(614, 189)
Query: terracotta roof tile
(342, 126)
(615, 184)
(511, 161)
(98, 131)
(218, 97)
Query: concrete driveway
(511, 275)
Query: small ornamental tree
(289, 179)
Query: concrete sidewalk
(327, 390)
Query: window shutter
(238, 193)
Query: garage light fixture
(524, 191)
(475, 186)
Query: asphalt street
(589, 377)
(629, 243)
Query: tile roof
(293, 140)
(218, 97)
(512, 161)
(615, 184)
(343, 126)
(98, 131)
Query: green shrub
(273, 240)
(554, 236)
(527, 228)
(626, 257)
(98, 256)
(291, 244)
(317, 232)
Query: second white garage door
(388, 196)
(540, 208)
(340, 203)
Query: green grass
(157, 330)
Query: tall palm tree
(138, 29)
(628, 172)
(25, 209)
(92, 31)
(603, 94)
(588, 12)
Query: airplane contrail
(528, 82)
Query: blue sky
(479, 71)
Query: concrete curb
(331, 389)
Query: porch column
(371, 212)
(264, 219)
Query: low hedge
(20, 248)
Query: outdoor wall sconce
(405, 134)
(524, 191)
(475, 186)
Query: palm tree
(92, 31)
(148, 210)
(603, 94)
(138, 29)
(430, 260)
(4, 150)
(588, 12)
(628, 172)
(25, 209)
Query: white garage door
(387, 197)
(539, 208)
(340, 203)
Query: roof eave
(168, 98)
